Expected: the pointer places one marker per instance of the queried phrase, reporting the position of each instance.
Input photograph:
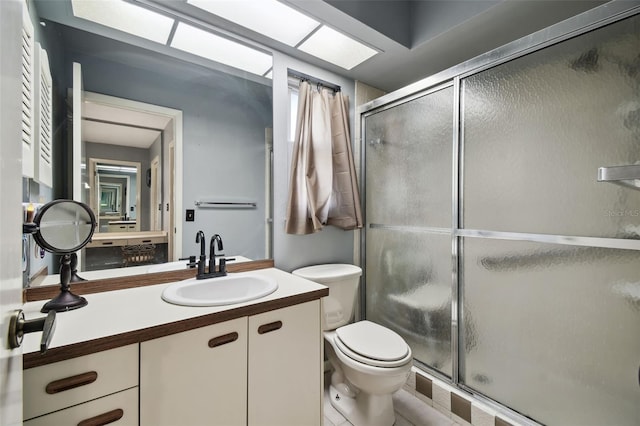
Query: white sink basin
(219, 291)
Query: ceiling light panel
(210, 46)
(337, 48)
(125, 17)
(268, 17)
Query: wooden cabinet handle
(103, 419)
(272, 326)
(223, 340)
(67, 383)
(107, 243)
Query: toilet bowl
(370, 362)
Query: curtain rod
(313, 80)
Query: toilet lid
(329, 272)
(372, 344)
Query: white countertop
(99, 236)
(122, 311)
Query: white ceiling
(416, 38)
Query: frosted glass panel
(409, 290)
(537, 129)
(552, 331)
(409, 156)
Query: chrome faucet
(203, 256)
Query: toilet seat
(372, 344)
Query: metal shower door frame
(593, 19)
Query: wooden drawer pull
(107, 243)
(67, 383)
(223, 340)
(272, 326)
(103, 419)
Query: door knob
(18, 327)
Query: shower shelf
(621, 175)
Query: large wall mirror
(151, 134)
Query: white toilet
(370, 361)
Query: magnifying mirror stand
(74, 269)
(65, 301)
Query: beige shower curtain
(323, 189)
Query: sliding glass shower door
(408, 192)
(496, 243)
(553, 295)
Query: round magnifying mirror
(64, 226)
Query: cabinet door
(196, 377)
(285, 367)
(120, 407)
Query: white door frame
(176, 116)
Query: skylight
(332, 46)
(285, 24)
(268, 17)
(210, 46)
(125, 17)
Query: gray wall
(223, 141)
(220, 123)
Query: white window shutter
(43, 119)
(28, 44)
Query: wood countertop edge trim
(33, 294)
(62, 353)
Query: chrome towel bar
(227, 204)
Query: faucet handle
(222, 265)
(192, 261)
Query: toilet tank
(342, 280)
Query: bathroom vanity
(132, 357)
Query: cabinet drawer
(114, 242)
(118, 228)
(63, 384)
(147, 240)
(119, 409)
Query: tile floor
(410, 411)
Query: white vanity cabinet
(260, 370)
(90, 389)
(195, 377)
(285, 367)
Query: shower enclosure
(492, 246)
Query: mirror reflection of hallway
(115, 194)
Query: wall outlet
(191, 215)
